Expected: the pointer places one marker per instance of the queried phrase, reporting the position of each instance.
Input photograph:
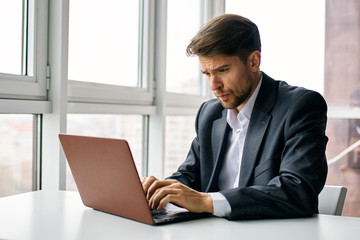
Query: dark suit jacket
(283, 166)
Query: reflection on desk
(61, 215)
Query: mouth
(222, 97)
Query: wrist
(221, 206)
(208, 203)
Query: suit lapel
(254, 136)
(260, 119)
(219, 135)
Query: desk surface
(61, 215)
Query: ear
(254, 61)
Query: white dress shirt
(230, 171)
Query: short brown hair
(228, 34)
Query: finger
(147, 182)
(157, 185)
(173, 189)
(182, 196)
(169, 198)
(161, 195)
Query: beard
(234, 99)
(235, 96)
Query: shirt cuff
(220, 204)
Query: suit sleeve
(293, 192)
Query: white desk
(61, 215)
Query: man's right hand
(161, 192)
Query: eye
(221, 70)
(205, 73)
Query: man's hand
(161, 192)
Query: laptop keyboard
(171, 214)
(164, 213)
(155, 212)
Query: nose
(215, 83)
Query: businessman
(259, 150)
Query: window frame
(31, 87)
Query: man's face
(231, 80)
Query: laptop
(107, 180)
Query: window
(179, 133)
(23, 93)
(108, 46)
(342, 92)
(318, 52)
(129, 127)
(292, 44)
(183, 22)
(23, 55)
(16, 154)
(104, 39)
(186, 88)
(12, 26)
(97, 68)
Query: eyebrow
(218, 68)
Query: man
(260, 146)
